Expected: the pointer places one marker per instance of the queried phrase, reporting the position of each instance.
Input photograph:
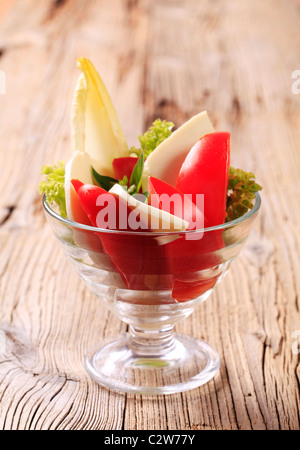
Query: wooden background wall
(171, 59)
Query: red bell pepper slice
(205, 171)
(82, 238)
(194, 264)
(88, 196)
(186, 290)
(140, 260)
(188, 257)
(124, 166)
(166, 197)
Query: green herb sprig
(135, 181)
(242, 188)
(103, 181)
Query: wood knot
(236, 109)
(15, 345)
(6, 214)
(167, 109)
(259, 253)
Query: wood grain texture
(170, 59)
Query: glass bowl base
(188, 363)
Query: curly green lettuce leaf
(242, 188)
(157, 133)
(53, 186)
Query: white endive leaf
(95, 125)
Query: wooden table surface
(169, 59)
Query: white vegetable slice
(156, 219)
(79, 167)
(166, 160)
(95, 126)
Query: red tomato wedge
(205, 171)
(93, 200)
(192, 261)
(124, 166)
(78, 213)
(166, 197)
(185, 290)
(83, 238)
(140, 260)
(188, 255)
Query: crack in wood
(55, 6)
(59, 3)
(125, 63)
(6, 217)
(132, 4)
(253, 315)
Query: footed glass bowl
(151, 280)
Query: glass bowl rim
(222, 226)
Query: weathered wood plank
(168, 59)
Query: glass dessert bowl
(150, 281)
